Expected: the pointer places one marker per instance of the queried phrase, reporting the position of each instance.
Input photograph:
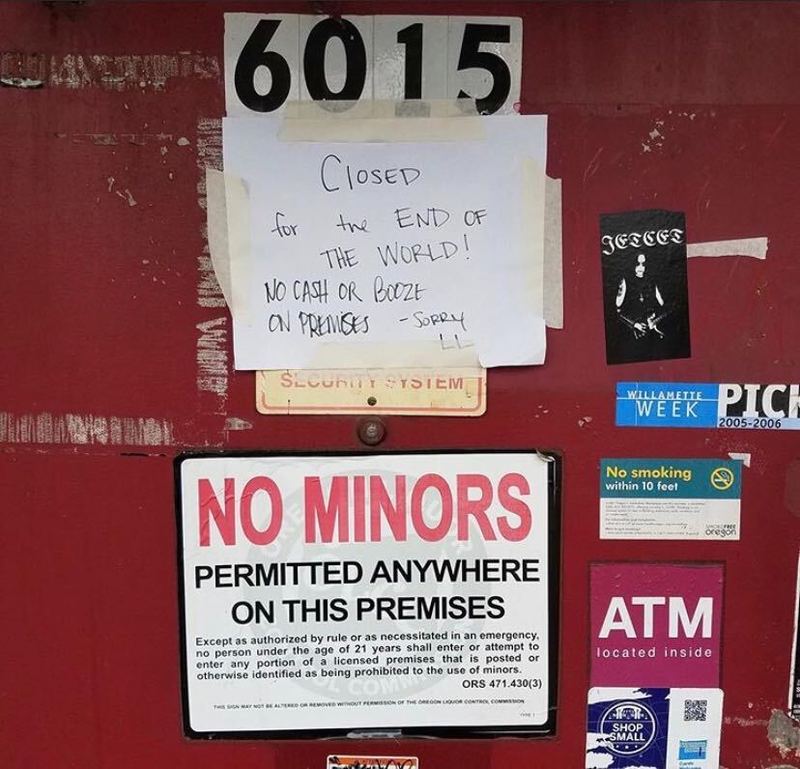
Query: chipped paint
(115, 139)
(212, 356)
(234, 423)
(125, 194)
(739, 721)
(655, 137)
(118, 73)
(209, 154)
(21, 82)
(783, 733)
(84, 429)
(212, 344)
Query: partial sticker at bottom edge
(653, 728)
(372, 762)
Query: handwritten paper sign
(398, 254)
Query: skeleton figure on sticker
(640, 305)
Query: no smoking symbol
(722, 478)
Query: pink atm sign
(656, 624)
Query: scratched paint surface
(116, 349)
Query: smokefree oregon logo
(722, 478)
(628, 726)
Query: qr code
(695, 710)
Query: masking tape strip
(237, 210)
(382, 355)
(382, 131)
(382, 122)
(381, 108)
(534, 195)
(744, 458)
(217, 223)
(553, 255)
(755, 247)
(228, 226)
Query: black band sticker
(645, 293)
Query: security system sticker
(429, 392)
(653, 728)
(730, 405)
(670, 498)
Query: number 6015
(255, 53)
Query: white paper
(472, 294)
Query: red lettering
(326, 516)
(425, 482)
(474, 507)
(209, 504)
(379, 502)
(255, 535)
(359, 505)
(515, 506)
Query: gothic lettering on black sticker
(645, 292)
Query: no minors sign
(413, 592)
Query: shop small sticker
(653, 728)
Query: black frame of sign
(546, 729)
